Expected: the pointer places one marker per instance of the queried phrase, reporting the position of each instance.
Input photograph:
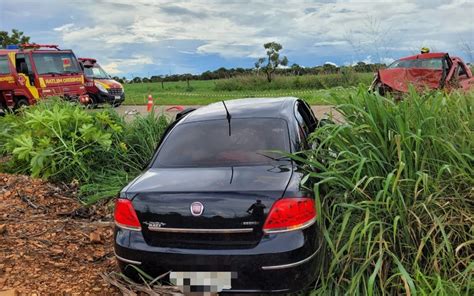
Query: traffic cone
(149, 106)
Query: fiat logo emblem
(197, 208)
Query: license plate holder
(209, 281)
(117, 97)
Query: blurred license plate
(117, 97)
(207, 281)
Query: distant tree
(258, 64)
(155, 78)
(146, 80)
(16, 37)
(116, 78)
(137, 80)
(329, 68)
(296, 69)
(272, 60)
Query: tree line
(270, 65)
(224, 73)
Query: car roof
(245, 108)
(432, 55)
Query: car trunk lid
(234, 200)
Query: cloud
(199, 35)
(64, 27)
(118, 66)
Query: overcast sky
(146, 37)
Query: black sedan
(220, 206)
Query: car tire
(116, 104)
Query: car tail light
(125, 215)
(289, 214)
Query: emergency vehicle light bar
(37, 46)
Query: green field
(317, 90)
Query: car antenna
(228, 116)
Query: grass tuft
(395, 182)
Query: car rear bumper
(284, 262)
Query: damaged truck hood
(399, 79)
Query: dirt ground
(49, 244)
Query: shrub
(56, 140)
(60, 141)
(394, 189)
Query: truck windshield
(435, 63)
(56, 63)
(208, 144)
(95, 72)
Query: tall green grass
(325, 81)
(394, 188)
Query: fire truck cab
(32, 72)
(100, 87)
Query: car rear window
(435, 63)
(207, 143)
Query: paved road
(321, 111)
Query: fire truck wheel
(92, 103)
(21, 102)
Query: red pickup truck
(424, 71)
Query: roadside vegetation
(63, 142)
(394, 183)
(394, 186)
(316, 89)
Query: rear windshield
(436, 63)
(207, 143)
(56, 63)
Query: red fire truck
(100, 87)
(32, 72)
